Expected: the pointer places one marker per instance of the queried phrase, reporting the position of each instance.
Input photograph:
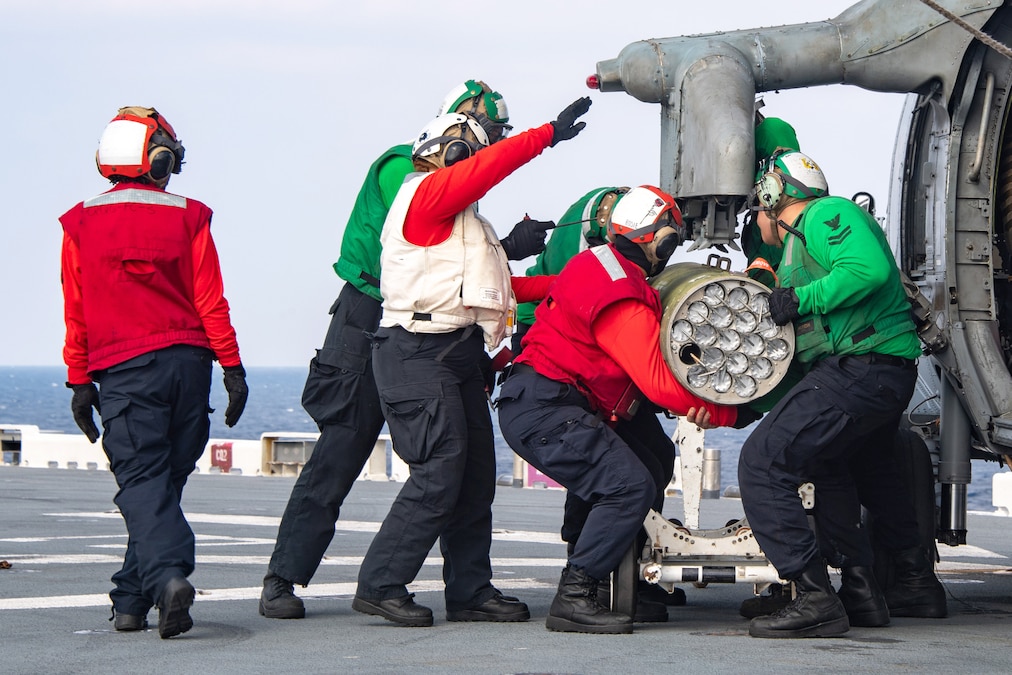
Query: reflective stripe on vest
(133, 196)
(609, 262)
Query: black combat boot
(403, 610)
(278, 599)
(647, 610)
(174, 608)
(655, 593)
(862, 598)
(778, 597)
(576, 609)
(128, 622)
(814, 612)
(915, 591)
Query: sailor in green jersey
(889, 516)
(772, 134)
(582, 226)
(340, 392)
(856, 341)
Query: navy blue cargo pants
(647, 439)
(155, 420)
(842, 409)
(434, 400)
(340, 395)
(884, 494)
(550, 425)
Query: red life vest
(561, 345)
(137, 271)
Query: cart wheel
(624, 583)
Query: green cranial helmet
(475, 98)
(772, 134)
(789, 175)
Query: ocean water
(37, 395)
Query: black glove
(564, 124)
(746, 416)
(487, 372)
(238, 392)
(527, 238)
(85, 398)
(784, 305)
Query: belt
(884, 359)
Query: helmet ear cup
(456, 151)
(665, 248)
(770, 189)
(162, 161)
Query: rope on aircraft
(976, 32)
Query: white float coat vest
(462, 281)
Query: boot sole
(869, 619)
(827, 629)
(366, 607)
(174, 615)
(471, 615)
(292, 613)
(922, 612)
(561, 625)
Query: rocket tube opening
(689, 354)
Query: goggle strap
(639, 232)
(439, 140)
(790, 180)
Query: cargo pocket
(548, 391)
(334, 386)
(512, 389)
(578, 443)
(136, 362)
(411, 412)
(118, 442)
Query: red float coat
(140, 273)
(599, 331)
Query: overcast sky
(283, 104)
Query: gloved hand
(746, 416)
(491, 365)
(527, 238)
(238, 392)
(487, 372)
(564, 124)
(85, 398)
(784, 306)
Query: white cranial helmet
(455, 137)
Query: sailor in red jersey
(145, 318)
(595, 347)
(447, 293)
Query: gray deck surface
(63, 537)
